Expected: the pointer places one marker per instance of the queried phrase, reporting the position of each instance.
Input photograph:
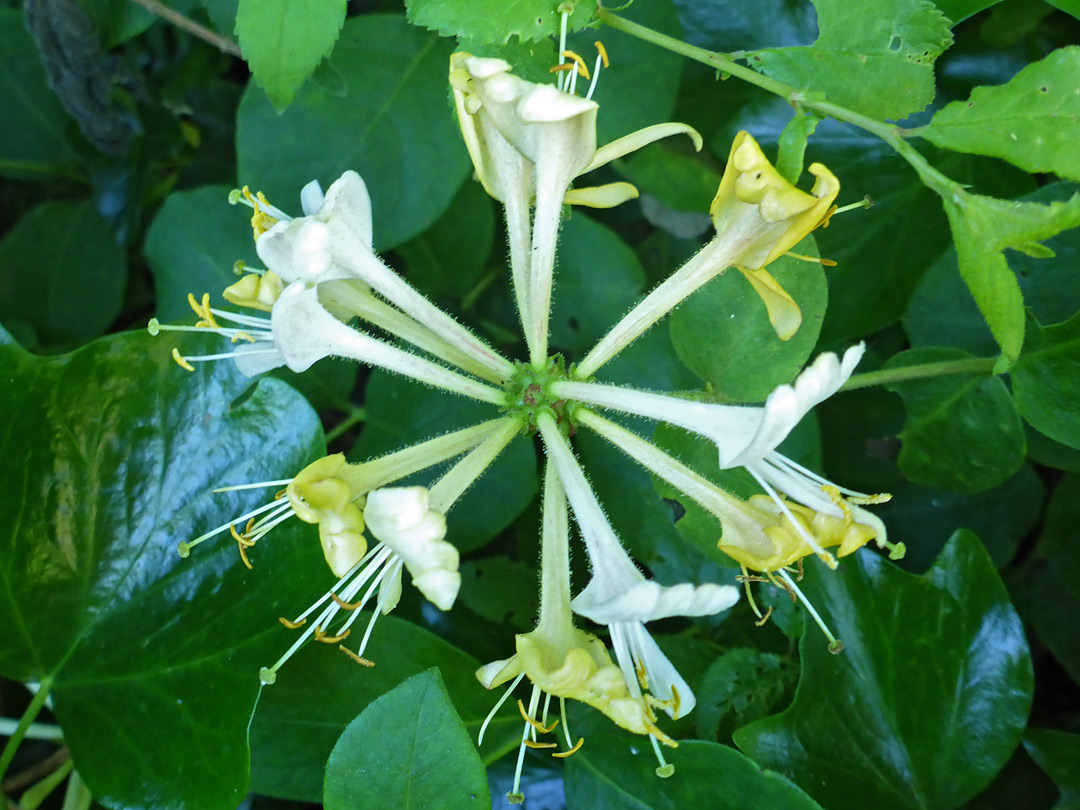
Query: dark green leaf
(597, 281)
(929, 697)
(876, 58)
(960, 10)
(393, 125)
(496, 21)
(617, 773)
(962, 431)
(789, 159)
(320, 691)
(742, 685)
(722, 332)
(735, 25)
(192, 246)
(401, 412)
(119, 452)
(680, 182)
(1033, 121)
(284, 40)
(410, 750)
(62, 274)
(35, 142)
(500, 589)
(1057, 753)
(1046, 380)
(119, 20)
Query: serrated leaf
(408, 750)
(119, 450)
(393, 125)
(962, 432)
(983, 228)
(1032, 122)
(62, 274)
(283, 41)
(876, 58)
(929, 697)
(496, 21)
(722, 332)
(618, 773)
(1046, 380)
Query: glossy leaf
(1033, 121)
(962, 431)
(62, 274)
(401, 412)
(597, 280)
(495, 21)
(722, 331)
(1046, 380)
(679, 181)
(983, 228)
(319, 692)
(409, 748)
(875, 58)
(120, 450)
(38, 144)
(929, 697)
(742, 685)
(283, 41)
(618, 773)
(1057, 753)
(393, 125)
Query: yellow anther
(676, 703)
(243, 539)
(261, 221)
(281, 493)
(292, 625)
(180, 361)
(574, 750)
(581, 66)
(765, 618)
(242, 336)
(320, 635)
(603, 60)
(202, 309)
(534, 723)
(341, 603)
(358, 659)
(531, 744)
(642, 676)
(563, 67)
(244, 557)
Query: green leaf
(789, 160)
(929, 697)
(496, 21)
(962, 431)
(38, 144)
(876, 58)
(1046, 380)
(191, 247)
(983, 229)
(400, 412)
(500, 589)
(679, 181)
(439, 262)
(320, 692)
(1057, 753)
(742, 685)
(62, 274)
(942, 312)
(960, 10)
(119, 450)
(722, 332)
(1032, 122)
(118, 21)
(618, 773)
(597, 281)
(393, 125)
(410, 750)
(283, 41)
(1068, 6)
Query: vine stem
(185, 24)
(969, 365)
(25, 722)
(724, 63)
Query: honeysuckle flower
(619, 596)
(759, 216)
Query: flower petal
(784, 314)
(646, 601)
(605, 196)
(642, 137)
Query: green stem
(724, 63)
(972, 365)
(356, 416)
(31, 712)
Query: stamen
(515, 796)
(565, 725)
(811, 259)
(496, 707)
(676, 701)
(320, 635)
(562, 47)
(601, 59)
(186, 546)
(202, 309)
(746, 580)
(835, 645)
(825, 556)
(764, 618)
(535, 745)
(259, 485)
(574, 750)
(603, 53)
(341, 603)
(244, 557)
(181, 360)
(243, 539)
(357, 658)
(535, 723)
(582, 68)
(292, 625)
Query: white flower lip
(647, 601)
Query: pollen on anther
(341, 603)
(320, 635)
(574, 750)
(180, 361)
(291, 625)
(603, 53)
(357, 658)
(581, 66)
